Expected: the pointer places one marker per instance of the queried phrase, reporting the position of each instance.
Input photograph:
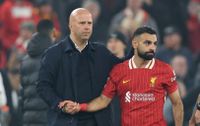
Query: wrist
(83, 107)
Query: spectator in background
(26, 31)
(194, 25)
(99, 34)
(12, 73)
(34, 109)
(45, 11)
(190, 100)
(94, 8)
(132, 17)
(180, 66)
(168, 113)
(117, 44)
(13, 13)
(173, 45)
(169, 12)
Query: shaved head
(77, 12)
(80, 24)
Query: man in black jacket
(34, 109)
(75, 69)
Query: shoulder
(98, 45)
(119, 68)
(160, 63)
(55, 50)
(165, 67)
(59, 46)
(100, 48)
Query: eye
(89, 22)
(147, 42)
(82, 22)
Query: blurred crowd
(176, 21)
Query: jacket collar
(69, 45)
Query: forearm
(49, 96)
(46, 92)
(178, 113)
(99, 103)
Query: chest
(142, 81)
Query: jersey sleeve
(170, 81)
(110, 87)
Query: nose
(87, 26)
(153, 47)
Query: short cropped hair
(142, 30)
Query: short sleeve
(170, 81)
(110, 87)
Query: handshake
(71, 107)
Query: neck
(80, 43)
(139, 62)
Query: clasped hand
(69, 107)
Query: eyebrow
(85, 22)
(150, 41)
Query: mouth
(150, 53)
(86, 32)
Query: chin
(86, 37)
(149, 58)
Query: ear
(134, 43)
(70, 26)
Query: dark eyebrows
(148, 41)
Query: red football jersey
(141, 91)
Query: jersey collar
(149, 65)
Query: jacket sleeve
(47, 78)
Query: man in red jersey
(141, 83)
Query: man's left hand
(69, 107)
